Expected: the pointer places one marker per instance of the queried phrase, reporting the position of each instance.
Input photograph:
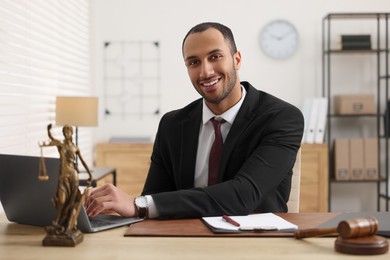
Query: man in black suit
(261, 136)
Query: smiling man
(230, 152)
(212, 63)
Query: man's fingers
(100, 208)
(95, 193)
(100, 201)
(108, 199)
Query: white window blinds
(44, 53)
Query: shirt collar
(228, 115)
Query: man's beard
(231, 82)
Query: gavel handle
(314, 232)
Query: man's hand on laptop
(109, 199)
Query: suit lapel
(189, 145)
(242, 120)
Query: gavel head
(357, 227)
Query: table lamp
(77, 111)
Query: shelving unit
(380, 50)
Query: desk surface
(21, 241)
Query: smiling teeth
(210, 84)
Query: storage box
(354, 104)
(371, 159)
(341, 159)
(356, 159)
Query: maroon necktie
(215, 152)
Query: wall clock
(279, 39)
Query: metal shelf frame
(381, 51)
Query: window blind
(44, 53)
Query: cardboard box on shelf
(354, 104)
(341, 159)
(371, 159)
(356, 158)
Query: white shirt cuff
(152, 210)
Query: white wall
(167, 21)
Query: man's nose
(206, 69)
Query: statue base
(62, 239)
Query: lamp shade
(77, 111)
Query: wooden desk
(21, 242)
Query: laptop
(27, 200)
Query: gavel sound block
(356, 236)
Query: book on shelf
(356, 46)
(356, 42)
(347, 38)
(386, 119)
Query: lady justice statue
(68, 198)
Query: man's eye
(192, 62)
(216, 56)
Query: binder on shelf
(371, 159)
(356, 158)
(306, 115)
(319, 134)
(312, 122)
(341, 159)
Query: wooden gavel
(352, 228)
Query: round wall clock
(279, 39)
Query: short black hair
(226, 32)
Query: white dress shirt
(206, 139)
(207, 136)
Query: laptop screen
(25, 199)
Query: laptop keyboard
(99, 222)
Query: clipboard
(261, 222)
(251, 232)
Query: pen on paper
(230, 220)
(259, 229)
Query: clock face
(279, 39)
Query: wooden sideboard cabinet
(131, 160)
(314, 178)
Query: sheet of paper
(253, 221)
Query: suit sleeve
(160, 176)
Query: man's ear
(237, 60)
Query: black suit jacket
(255, 169)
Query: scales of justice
(68, 199)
